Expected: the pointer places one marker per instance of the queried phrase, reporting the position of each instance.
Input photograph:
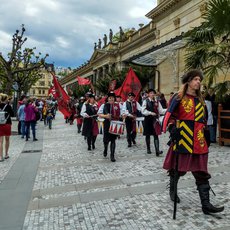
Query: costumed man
(119, 100)
(111, 111)
(152, 109)
(187, 108)
(130, 112)
(78, 111)
(90, 128)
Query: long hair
(182, 93)
(3, 97)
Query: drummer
(111, 111)
(130, 111)
(90, 127)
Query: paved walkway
(79, 189)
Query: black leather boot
(112, 151)
(89, 143)
(78, 128)
(147, 140)
(133, 137)
(171, 189)
(93, 141)
(207, 207)
(129, 140)
(157, 144)
(105, 149)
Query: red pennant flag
(83, 81)
(62, 97)
(130, 84)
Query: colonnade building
(158, 44)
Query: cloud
(68, 29)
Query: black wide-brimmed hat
(152, 90)
(131, 94)
(111, 94)
(187, 77)
(91, 95)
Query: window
(39, 91)
(42, 83)
(43, 91)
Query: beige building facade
(158, 44)
(40, 88)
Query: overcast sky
(67, 29)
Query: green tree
(143, 73)
(77, 91)
(208, 46)
(19, 62)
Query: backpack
(3, 117)
(37, 115)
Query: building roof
(157, 53)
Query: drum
(116, 127)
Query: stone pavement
(79, 189)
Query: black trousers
(131, 134)
(200, 176)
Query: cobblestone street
(79, 189)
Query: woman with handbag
(5, 125)
(152, 109)
(30, 118)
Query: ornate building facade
(41, 87)
(158, 44)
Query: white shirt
(100, 111)
(146, 112)
(101, 108)
(83, 110)
(126, 112)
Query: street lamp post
(15, 102)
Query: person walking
(30, 119)
(187, 108)
(130, 111)
(78, 113)
(5, 125)
(21, 118)
(152, 109)
(111, 112)
(90, 128)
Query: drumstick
(94, 115)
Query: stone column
(110, 68)
(94, 75)
(173, 58)
(103, 71)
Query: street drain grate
(32, 151)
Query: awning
(156, 54)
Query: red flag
(130, 84)
(112, 85)
(52, 91)
(62, 98)
(83, 81)
(102, 100)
